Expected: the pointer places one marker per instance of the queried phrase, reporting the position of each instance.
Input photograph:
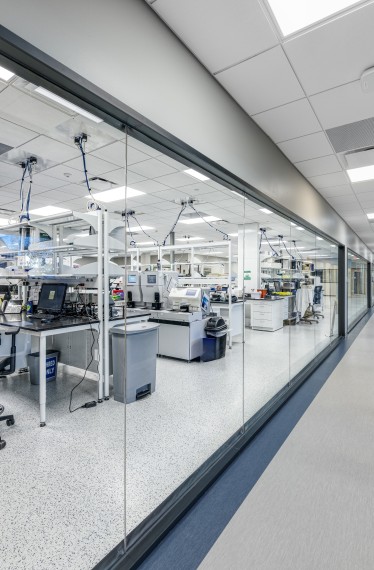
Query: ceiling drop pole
(172, 252)
(230, 303)
(54, 255)
(106, 305)
(100, 296)
(192, 260)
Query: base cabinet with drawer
(266, 315)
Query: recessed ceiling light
(300, 228)
(361, 174)
(294, 15)
(320, 239)
(67, 104)
(4, 222)
(116, 194)
(48, 211)
(333, 246)
(234, 235)
(139, 229)
(196, 174)
(189, 238)
(370, 216)
(292, 224)
(265, 211)
(5, 75)
(200, 220)
(237, 194)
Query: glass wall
(273, 282)
(188, 309)
(357, 288)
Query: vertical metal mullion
(342, 291)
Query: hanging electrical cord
(225, 235)
(284, 244)
(25, 198)
(132, 240)
(184, 206)
(294, 245)
(80, 142)
(263, 235)
(132, 215)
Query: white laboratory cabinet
(267, 315)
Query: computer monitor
(52, 297)
(132, 279)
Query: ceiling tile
(326, 180)
(342, 105)
(343, 190)
(95, 166)
(50, 149)
(289, 121)
(334, 53)
(152, 168)
(28, 111)
(149, 186)
(175, 180)
(363, 187)
(14, 135)
(251, 83)
(304, 148)
(218, 32)
(317, 166)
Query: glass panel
(357, 288)
(67, 470)
(182, 272)
(269, 312)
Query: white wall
(124, 48)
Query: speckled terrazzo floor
(63, 485)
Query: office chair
(8, 366)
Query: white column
(248, 257)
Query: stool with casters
(7, 367)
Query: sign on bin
(51, 364)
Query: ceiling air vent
(353, 136)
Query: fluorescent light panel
(189, 239)
(5, 74)
(237, 194)
(294, 15)
(300, 228)
(265, 211)
(139, 229)
(200, 220)
(196, 174)
(4, 221)
(361, 174)
(48, 211)
(320, 239)
(370, 216)
(67, 104)
(116, 194)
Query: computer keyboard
(40, 316)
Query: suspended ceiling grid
(295, 89)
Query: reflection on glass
(357, 288)
(182, 272)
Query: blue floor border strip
(187, 544)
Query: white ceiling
(34, 126)
(294, 88)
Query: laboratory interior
(149, 314)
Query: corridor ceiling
(303, 90)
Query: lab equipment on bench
(134, 289)
(13, 307)
(156, 286)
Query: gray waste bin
(139, 364)
(51, 363)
